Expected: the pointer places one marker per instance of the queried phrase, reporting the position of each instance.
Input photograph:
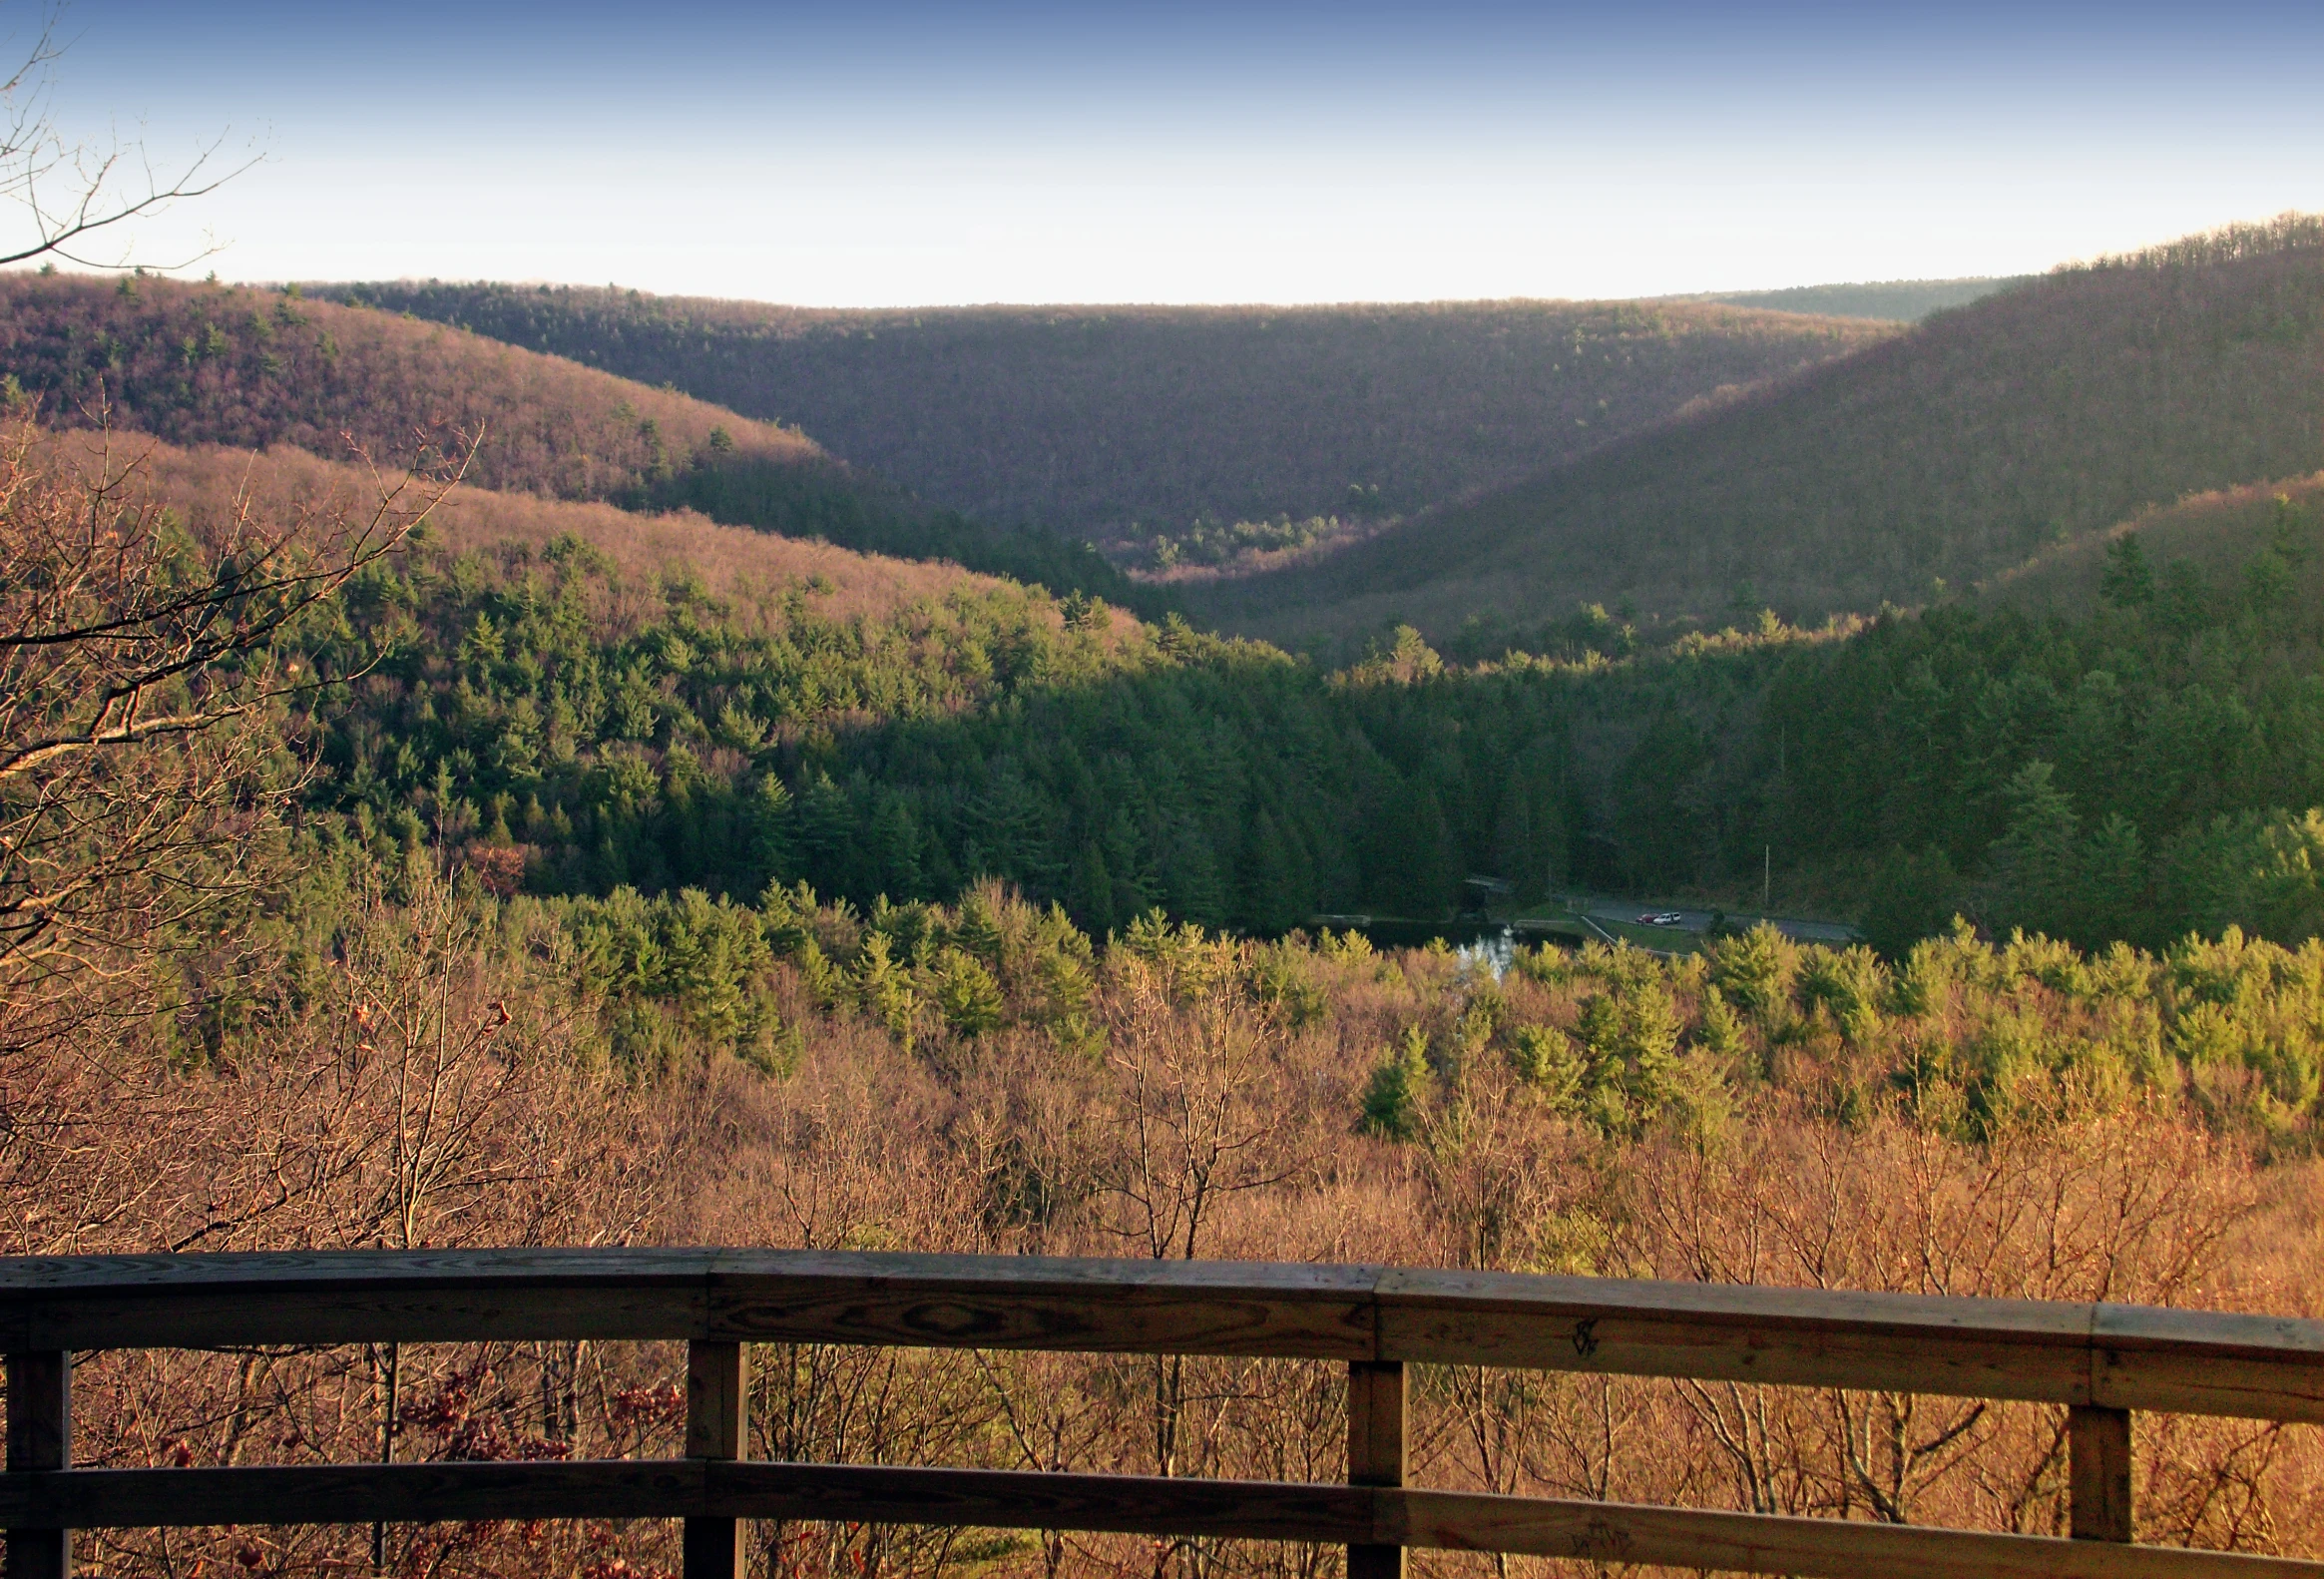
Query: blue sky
(893, 154)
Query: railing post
(40, 1437)
(2098, 1456)
(718, 1401)
(1376, 1418)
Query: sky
(888, 154)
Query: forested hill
(1898, 301)
(756, 578)
(1941, 457)
(562, 715)
(571, 698)
(2203, 537)
(250, 367)
(1091, 418)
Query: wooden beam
(718, 1404)
(1018, 1499)
(2116, 1356)
(39, 1441)
(1602, 1532)
(356, 1494)
(2207, 1362)
(1990, 1349)
(1252, 1308)
(1617, 1533)
(690, 1488)
(718, 1400)
(350, 1297)
(1378, 1416)
(2099, 1466)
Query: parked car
(1663, 918)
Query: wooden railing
(2100, 1361)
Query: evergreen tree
(2128, 580)
(1397, 1089)
(1090, 890)
(966, 994)
(773, 844)
(1274, 898)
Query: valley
(1920, 468)
(771, 705)
(486, 796)
(1124, 423)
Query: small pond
(1477, 941)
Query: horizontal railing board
(1042, 1302)
(2121, 1356)
(347, 1316)
(2166, 1326)
(91, 1499)
(1264, 1510)
(348, 1297)
(1865, 1362)
(1623, 1533)
(2207, 1362)
(989, 1302)
(1737, 1333)
(26, 1275)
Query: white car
(1663, 918)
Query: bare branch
(71, 193)
(142, 678)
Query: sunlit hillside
(750, 571)
(1944, 456)
(1126, 421)
(1899, 301)
(653, 937)
(2216, 534)
(214, 364)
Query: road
(1628, 912)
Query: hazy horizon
(1086, 305)
(1289, 155)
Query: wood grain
(1379, 1419)
(350, 1297)
(1012, 1499)
(2114, 1357)
(717, 1410)
(1252, 1308)
(1617, 1533)
(1353, 1515)
(356, 1493)
(1971, 1348)
(40, 1440)
(2207, 1362)
(2098, 1475)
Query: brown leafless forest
(239, 1016)
(1927, 462)
(436, 1083)
(1123, 421)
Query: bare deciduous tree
(143, 663)
(73, 195)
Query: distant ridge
(1089, 419)
(2217, 533)
(754, 569)
(1892, 300)
(1926, 463)
(253, 367)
